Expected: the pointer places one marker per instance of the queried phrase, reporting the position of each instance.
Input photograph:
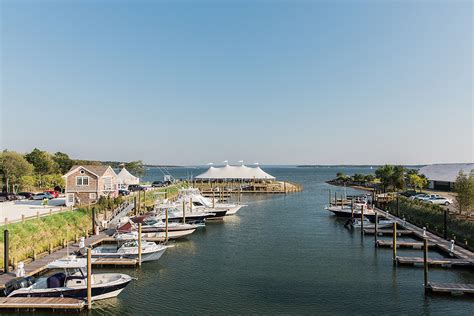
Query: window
(92, 196)
(82, 181)
(107, 183)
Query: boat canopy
(235, 172)
(68, 263)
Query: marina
(206, 241)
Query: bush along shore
(432, 217)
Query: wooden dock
(439, 242)
(38, 265)
(402, 244)
(450, 288)
(441, 262)
(43, 303)
(387, 232)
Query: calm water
(283, 254)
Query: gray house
(443, 176)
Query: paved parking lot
(14, 210)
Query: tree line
(390, 178)
(40, 170)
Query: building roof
(98, 170)
(125, 177)
(235, 172)
(446, 172)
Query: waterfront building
(87, 183)
(443, 176)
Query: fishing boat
(175, 214)
(129, 249)
(153, 226)
(68, 278)
(203, 203)
(347, 212)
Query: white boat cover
(235, 172)
(126, 178)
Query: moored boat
(129, 249)
(68, 278)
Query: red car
(52, 192)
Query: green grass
(37, 234)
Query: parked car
(158, 184)
(427, 197)
(123, 192)
(42, 196)
(26, 195)
(409, 193)
(417, 196)
(7, 196)
(52, 192)
(441, 201)
(135, 187)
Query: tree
(464, 187)
(417, 181)
(13, 166)
(136, 168)
(385, 175)
(398, 178)
(358, 178)
(369, 178)
(42, 161)
(63, 161)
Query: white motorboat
(346, 210)
(68, 278)
(199, 201)
(129, 249)
(155, 227)
(357, 223)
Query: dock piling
(445, 224)
(394, 243)
(139, 244)
(362, 220)
(6, 258)
(166, 226)
(425, 262)
(184, 211)
(376, 226)
(89, 278)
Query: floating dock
(450, 288)
(441, 262)
(387, 232)
(44, 303)
(401, 244)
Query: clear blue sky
(278, 82)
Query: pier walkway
(444, 245)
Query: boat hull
(98, 293)
(147, 256)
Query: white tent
(125, 178)
(235, 172)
